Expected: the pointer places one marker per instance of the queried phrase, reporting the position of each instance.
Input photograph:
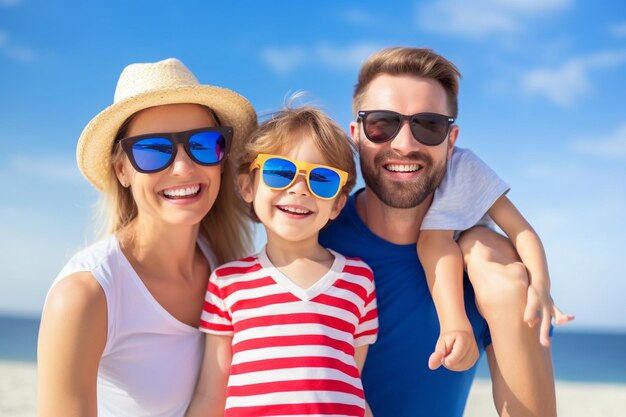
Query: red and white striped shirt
(293, 348)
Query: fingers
(462, 356)
(436, 358)
(561, 318)
(544, 330)
(457, 351)
(532, 306)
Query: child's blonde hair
(284, 129)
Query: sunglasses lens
(430, 129)
(207, 147)
(152, 154)
(324, 182)
(278, 172)
(381, 126)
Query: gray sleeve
(467, 192)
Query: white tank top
(151, 360)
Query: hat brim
(93, 151)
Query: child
(471, 194)
(288, 329)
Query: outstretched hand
(541, 307)
(455, 350)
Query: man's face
(403, 173)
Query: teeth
(295, 210)
(182, 192)
(402, 168)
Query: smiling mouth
(182, 193)
(403, 167)
(294, 210)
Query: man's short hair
(419, 62)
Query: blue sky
(541, 101)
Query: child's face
(293, 214)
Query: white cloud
(480, 18)
(287, 60)
(618, 30)
(611, 146)
(566, 84)
(46, 167)
(343, 58)
(357, 17)
(283, 60)
(21, 54)
(15, 52)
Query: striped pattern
(293, 348)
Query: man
(381, 224)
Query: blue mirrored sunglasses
(153, 152)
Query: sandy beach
(18, 386)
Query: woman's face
(184, 192)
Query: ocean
(591, 357)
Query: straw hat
(153, 84)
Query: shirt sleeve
(215, 318)
(467, 191)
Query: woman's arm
(209, 398)
(72, 337)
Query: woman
(119, 331)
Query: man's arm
(521, 369)
(530, 249)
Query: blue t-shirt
(396, 377)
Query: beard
(402, 194)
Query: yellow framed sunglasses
(279, 172)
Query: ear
(452, 137)
(122, 172)
(355, 132)
(246, 187)
(340, 202)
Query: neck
(282, 252)
(155, 246)
(398, 226)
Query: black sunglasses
(381, 126)
(153, 152)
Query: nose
(299, 185)
(404, 142)
(182, 164)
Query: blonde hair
(285, 128)
(225, 226)
(419, 62)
